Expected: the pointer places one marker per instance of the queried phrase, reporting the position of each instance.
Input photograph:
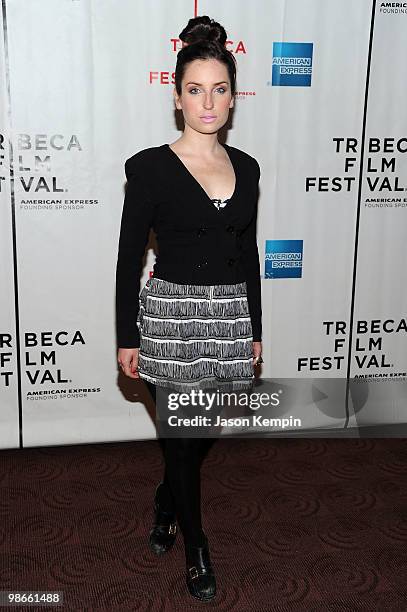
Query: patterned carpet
(294, 525)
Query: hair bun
(203, 28)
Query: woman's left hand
(257, 350)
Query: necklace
(220, 203)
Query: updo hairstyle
(204, 38)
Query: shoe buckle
(193, 572)
(172, 528)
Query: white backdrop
(86, 84)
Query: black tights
(181, 491)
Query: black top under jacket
(197, 243)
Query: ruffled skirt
(195, 336)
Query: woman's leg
(183, 468)
(183, 460)
(181, 489)
(164, 494)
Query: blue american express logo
(283, 259)
(292, 64)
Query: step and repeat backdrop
(320, 103)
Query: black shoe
(201, 580)
(164, 531)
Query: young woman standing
(197, 322)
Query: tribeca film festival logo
(41, 365)
(380, 171)
(39, 361)
(33, 173)
(368, 348)
(291, 64)
(167, 77)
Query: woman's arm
(252, 266)
(136, 221)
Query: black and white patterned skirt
(195, 336)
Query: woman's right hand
(128, 361)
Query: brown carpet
(294, 525)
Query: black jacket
(197, 243)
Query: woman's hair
(205, 39)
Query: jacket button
(230, 229)
(231, 261)
(201, 231)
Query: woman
(197, 322)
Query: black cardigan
(197, 243)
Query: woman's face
(206, 95)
